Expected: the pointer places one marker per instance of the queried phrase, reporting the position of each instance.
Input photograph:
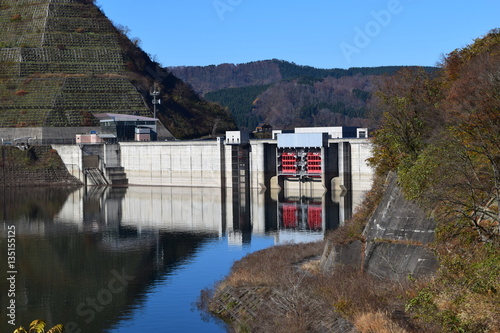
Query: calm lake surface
(135, 259)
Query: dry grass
(271, 266)
(16, 17)
(368, 303)
(300, 287)
(354, 293)
(311, 266)
(377, 322)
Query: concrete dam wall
(173, 163)
(217, 164)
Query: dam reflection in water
(135, 259)
(298, 216)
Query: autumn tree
(442, 136)
(408, 118)
(472, 110)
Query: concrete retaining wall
(71, 155)
(398, 219)
(397, 235)
(396, 239)
(397, 261)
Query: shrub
(21, 92)
(39, 326)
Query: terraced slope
(63, 60)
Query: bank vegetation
(440, 132)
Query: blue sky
(318, 33)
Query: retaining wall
(397, 236)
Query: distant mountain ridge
(205, 79)
(287, 95)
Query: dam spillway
(339, 164)
(304, 176)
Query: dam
(313, 161)
(295, 170)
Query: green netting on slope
(38, 93)
(96, 93)
(86, 40)
(72, 10)
(75, 55)
(28, 68)
(63, 24)
(23, 117)
(10, 55)
(19, 15)
(61, 62)
(9, 30)
(21, 40)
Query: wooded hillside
(440, 133)
(286, 95)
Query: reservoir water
(135, 259)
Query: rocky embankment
(333, 286)
(36, 166)
(396, 239)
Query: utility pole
(156, 99)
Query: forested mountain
(286, 95)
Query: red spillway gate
(314, 217)
(314, 163)
(289, 163)
(290, 216)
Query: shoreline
(351, 288)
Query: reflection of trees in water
(33, 203)
(66, 276)
(61, 277)
(63, 270)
